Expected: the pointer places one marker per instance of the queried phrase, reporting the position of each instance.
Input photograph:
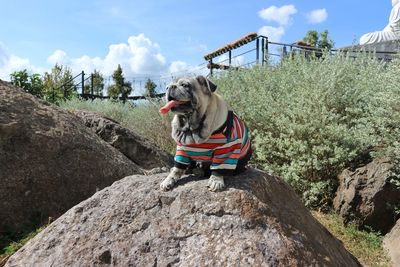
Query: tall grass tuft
(312, 118)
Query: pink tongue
(169, 105)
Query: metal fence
(245, 52)
(261, 51)
(83, 84)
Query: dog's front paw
(216, 183)
(171, 179)
(167, 184)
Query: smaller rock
(392, 244)
(367, 197)
(127, 142)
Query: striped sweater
(223, 149)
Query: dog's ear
(206, 83)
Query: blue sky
(165, 36)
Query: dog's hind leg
(171, 179)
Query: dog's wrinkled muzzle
(177, 101)
(171, 104)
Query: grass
(366, 246)
(9, 244)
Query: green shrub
(10, 243)
(142, 118)
(366, 246)
(31, 83)
(311, 118)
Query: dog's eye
(186, 85)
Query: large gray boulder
(367, 197)
(257, 221)
(49, 161)
(391, 243)
(132, 145)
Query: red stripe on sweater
(227, 149)
(204, 145)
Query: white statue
(390, 32)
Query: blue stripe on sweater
(203, 153)
(182, 159)
(227, 161)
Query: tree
(30, 83)
(98, 84)
(319, 40)
(58, 84)
(311, 38)
(120, 88)
(150, 87)
(325, 42)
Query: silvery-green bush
(311, 118)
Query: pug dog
(205, 130)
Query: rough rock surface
(392, 244)
(257, 221)
(127, 142)
(49, 161)
(367, 197)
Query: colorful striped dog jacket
(223, 149)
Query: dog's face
(191, 93)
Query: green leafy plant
(120, 88)
(150, 87)
(31, 83)
(311, 119)
(97, 82)
(319, 40)
(58, 84)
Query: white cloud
(317, 16)
(181, 68)
(10, 63)
(59, 57)
(274, 34)
(282, 15)
(138, 56)
(178, 66)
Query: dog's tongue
(169, 105)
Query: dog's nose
(169, 97)
(171, 91)
(170, 87)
